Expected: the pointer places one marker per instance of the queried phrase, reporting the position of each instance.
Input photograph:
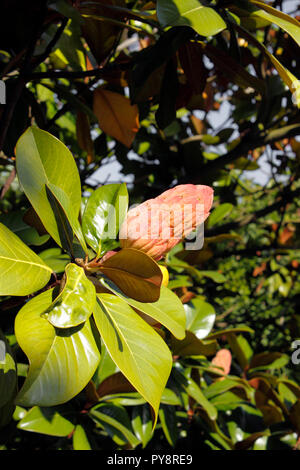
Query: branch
(251, 141)
(7, 183)
(56, 74)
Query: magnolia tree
(162, 313)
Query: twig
(56, 74)
(38, 60)
(7, 183)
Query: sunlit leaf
(117, 117)
(54, 421)
(167, 310)
(80, 439)
(104, 214)
(55, 259)
(140, 353)
(200, 317)
(75, 302)
(61, 362)
(22, 271)
(114, 419)
(204, 20)
(219, 213)
(142, 423)
(41, 159)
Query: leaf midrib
(47, 268)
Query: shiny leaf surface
(167, 310)
(202, 19)
(76, 301)
(140, 353)
(104, 213)
(22, 271)
(61, 364)
(41, 159)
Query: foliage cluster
(103, 354)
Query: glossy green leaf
(66, 219)
(221, 386)
(126, 399)
(80, 439)
(170, 397)
(228, 331)
(236, 347)
(167, 310)
(227, 401)
(114, 419)
(104, 213)
(55, 421)
(268, 360)
(196, 393)
(22, 271)
(55, 259)
(8, 371)
(61, 363)
(106, 368)
(142, 423)
(41, 159)
(75, 302)
(200, 317)
(168, 421)
(281, 19)
(204, 20)
(213, 275)
(219, 213)
(140, 353)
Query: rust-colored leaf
(286, 235)
(259, 269)
(117, 117)
(198, 124)
(115, 383)
(135, 273)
